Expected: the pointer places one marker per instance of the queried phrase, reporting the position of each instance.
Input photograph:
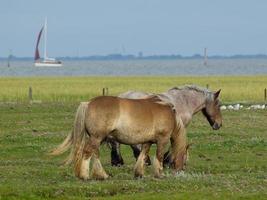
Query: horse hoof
(159, 176)
(83, 178)
(101, 178)
(99, 175)
(104, 178)
(138, 176)
(117, 163)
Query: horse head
(212, 110)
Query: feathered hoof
(138, 176)
(83, 177)
(159, 176)
(99, 175)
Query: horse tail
(76, 140)
(64, 146)
(179, 145)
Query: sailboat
(46, 61)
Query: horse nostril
(215, 126)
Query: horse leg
(116, 158)
(158, 161)
(178, 148)
(139, 165)
(167, 159)
(136, 151)
(82, 166)
(98, 171)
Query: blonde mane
(158, 99)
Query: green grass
(225, 164)
(76, 89)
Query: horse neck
(191, 100)
(196, 101)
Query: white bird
(230, 107)
(236, 106)
(223, 107)
(256, 106)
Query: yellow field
(75, 89)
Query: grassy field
(76, 89)
(225, 164)
(229, 163)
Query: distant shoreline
(133, 57)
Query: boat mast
(205, 57)
(9, 58)
(45, 38)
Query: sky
(101, 27)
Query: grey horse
(187, 100)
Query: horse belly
(134, 131)
(134, 137)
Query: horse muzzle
(216, 126)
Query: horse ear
(216, 94)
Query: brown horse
(144, 121)
(187, 100)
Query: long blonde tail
(64, 146)
(76, 139)
(179, 145)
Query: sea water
(178, 67)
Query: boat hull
(43, 64)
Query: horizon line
(132, 56)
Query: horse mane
(207, 93)
(158, 98)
